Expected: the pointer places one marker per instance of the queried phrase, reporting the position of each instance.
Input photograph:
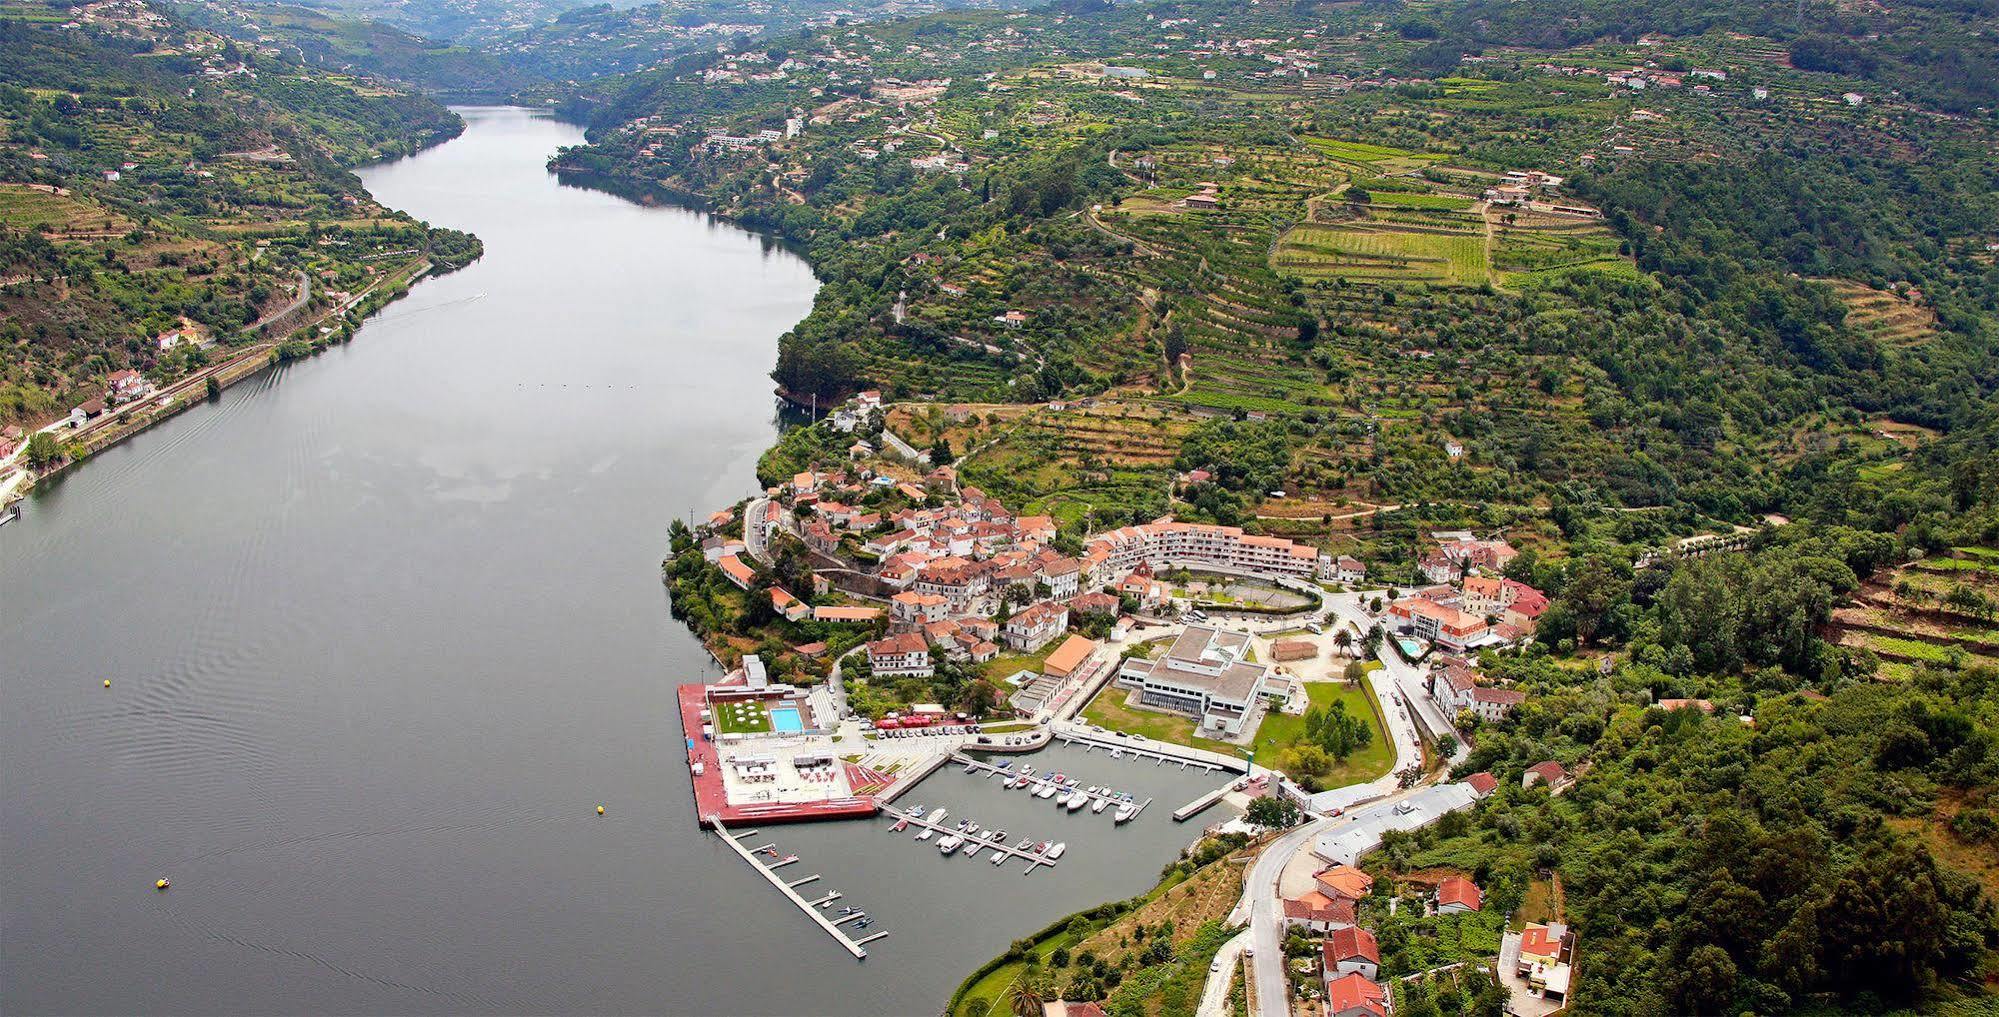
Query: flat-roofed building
(1206, 674)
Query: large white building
(1206, 674)
(1164, 543)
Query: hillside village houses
(934, 566)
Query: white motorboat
(924, 834)
(1047, 791)
(1078, 800)
(1099, 805)
(1124, 813)
(998, 857)
(1056, 851)
(950, 844)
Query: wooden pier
(980, 766)
(1033, 859)
(809, 907)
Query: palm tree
(1343, 639)
(1026, 1001)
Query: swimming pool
(786, 718)
(1410, 647)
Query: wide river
(385, 626)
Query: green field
(25, 208)
(1108, 710)
(1280, 731)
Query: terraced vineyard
(1104, 464)
(1936, 611)
(1364, 253)
(1889, 318)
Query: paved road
(1261, 908)
(1215, 994)
(753, 528)
(304, 294)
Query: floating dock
(1033, 859)
(980, 766)
(809, 907)
(1159, 758)
(1201, 804)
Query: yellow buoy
(600, 810)
(161, 885)
(107, 683)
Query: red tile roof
(1354, 992)
(1483, 783)
(1459, 890)
(1352, 943)
(1317, 907)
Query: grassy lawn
(1108, 710)
(1007, 663)
(753, 718)
(1281, 731)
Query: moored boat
(1056, 851)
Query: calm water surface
(385, 626)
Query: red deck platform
(711, 800)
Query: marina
(1034, 858)
(1044, 786)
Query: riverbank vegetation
(167, 198)
(1143, 957)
